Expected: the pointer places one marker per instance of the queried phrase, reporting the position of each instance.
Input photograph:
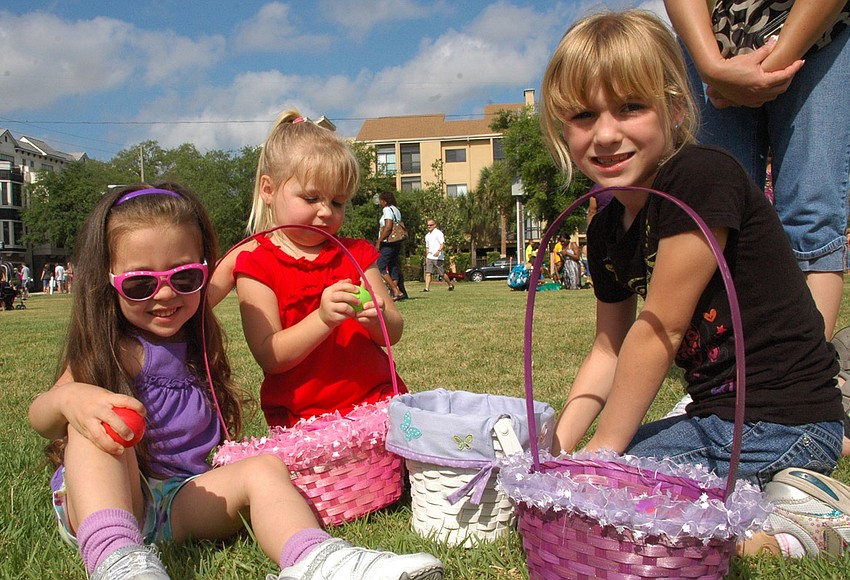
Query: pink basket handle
(363, 279)
(737, 326)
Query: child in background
(318, 351)
(616, 103)
(135, 341)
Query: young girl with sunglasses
(141, 337)
(320, 351)
(616, 103)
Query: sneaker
(812, 507)
(844, 387)
(679, 408)
(131, 563)
(337, 559)
(451, 287)
(841, 342)
(425, 290)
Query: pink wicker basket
(339, 463)
(575, 543)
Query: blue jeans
(388, 260)
(807, 132)
(766, 447)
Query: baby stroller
(8, 291)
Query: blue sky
(99, 76)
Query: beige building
(408, 147)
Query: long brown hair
(97, 327)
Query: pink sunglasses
(144, 284)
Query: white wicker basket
(463, 522)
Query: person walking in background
(25, 280)
(59, 278)
(556, 259)
(69, 277)
(46, 275)
(435, 255)
(572, 265)
(761, 100)
(389, 261)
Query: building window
(386, 160)
(455, 155)
(456, 190)
(411, 183)
(9, 158)
(18, 233)
(17, 195)
(498, 151)
(46, 167)
(410, 161)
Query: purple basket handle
(737, 326)
(363, 279)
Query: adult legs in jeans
(806, 133)
(388, 257)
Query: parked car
(500, 269)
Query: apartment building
(21, 159)
(408, 146)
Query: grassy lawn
(469, 339)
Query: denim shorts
(808, 133)
(766, 447)
(159, 494)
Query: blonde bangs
(309, 153)
(631, 56)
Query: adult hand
(741, 80)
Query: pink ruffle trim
(319, 440)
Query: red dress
(347, 368)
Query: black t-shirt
(790, 368)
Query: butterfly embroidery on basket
(410, 432)
(465, 443)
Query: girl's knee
(265, 466)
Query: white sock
(789, 545)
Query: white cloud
(504, 46)
(254, 100)
(43, 58)
(169, 58)
(272, 31)
(361, 16)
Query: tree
(494, 187)
(59, 202)
(362, 214)
(546, 192)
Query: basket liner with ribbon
(599, 515)
(339, 463)
(452, 441)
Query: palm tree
(494, 187)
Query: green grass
(469, 339)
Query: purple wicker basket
(573, 544)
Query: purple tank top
(182, 424)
